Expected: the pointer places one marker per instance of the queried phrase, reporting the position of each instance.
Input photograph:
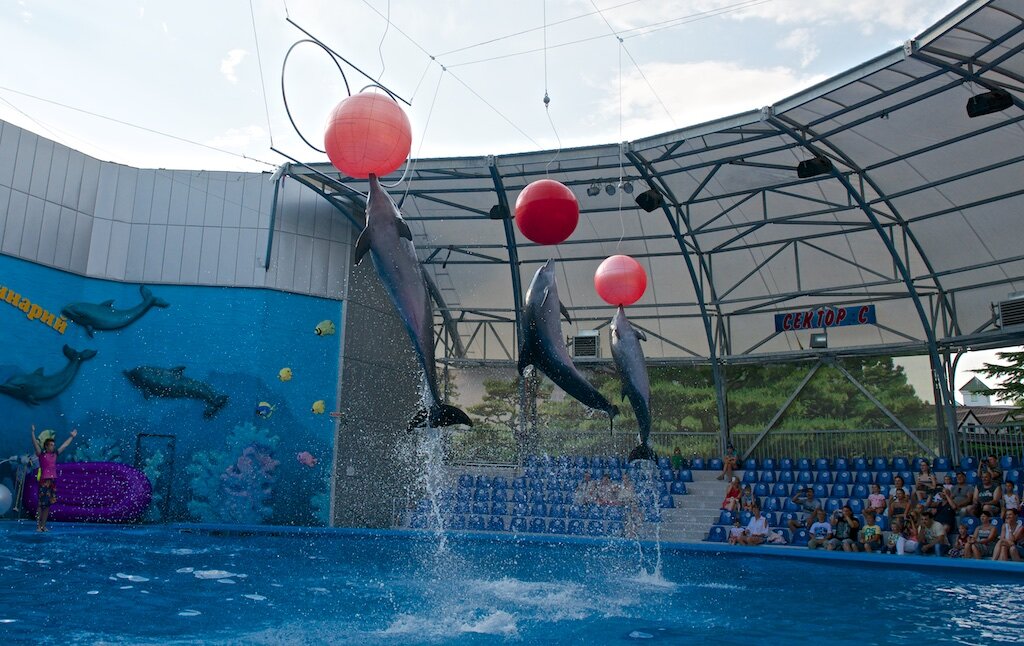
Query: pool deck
(916, 562)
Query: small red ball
(620, 280)
(368, 133)
(547, 211)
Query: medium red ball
(620, 280)
(368, 133)
(547, 211)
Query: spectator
(732, 496)
(898, 483)
(1010, 538)
(1010, 499)
(735, 532)
(607, 491)
(728, 462)
(947, 482)
(747, 499)
(631, 507)
(678, 464)
(942, 506)
(870, 534)
(876, 501)
(932, 534)
(991, 467)
(844, 531)
(926, 483)
(756, 531)
(899, 505)
(988, 496)
(586, 491)
(892, 537)
(821, 530)
(963, 539)
(963, 496)
(983, 541)
(808, 505)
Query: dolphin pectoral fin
(640, 334)
(362, 245)
(565, 312)
(88, 330)
(403, 229)
(418, 420)
(109, 304)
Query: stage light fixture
(627, 187)
(498, 212)
(819, 340)
(988, 102)
(609, 189)
(594, 190)
(649, 200)
(814, 166)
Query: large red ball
(547, 211)
(620, 280)
(368, 133)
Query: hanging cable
(547, 98)
(259, 63)
(380, 45)
(410, 168)
(284, 94)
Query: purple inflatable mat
(94, 492)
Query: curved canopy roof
(921, 214)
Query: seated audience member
(988, 496)
(991, 467)
(756, 531)
(1010, 498)
(960, 543)
(1011, 535)
(909, 539)
(898, 483)
(627, 492)
(844, 530)
(821, 531)
(870, 534)
(747, 498)
(899, 505)
(963, 496)
(677, 461)
(941, 505)
(732, 496)
(607, 491)
(586, 491)
(947, 482)
(808, 505)
(932, 534)
(735, 532)
(983, 542)
(876, 501)
(926, 483)
(729, 461)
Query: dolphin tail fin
(643, 452)
(439, 416)
(75, 355)
(148, 296)
(214, 406)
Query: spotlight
(594, 190)
(819, 340)
(649, 200)
(814, 166)
(498, 212)
(995, 101)
(627, 187)
(609, 189)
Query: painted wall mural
(189, 384)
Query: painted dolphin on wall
(388, 239)
(632, 367)
(543, 345)
(103, 316)
(171, 383)
(34, 387)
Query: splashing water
(432, 476)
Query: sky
(208, 76)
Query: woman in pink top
(48, 474)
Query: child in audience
(47, 453)
(747, 499)
(820, 531)
(735, 532)
(1010, 498)
(963, 538)
(844, 530)
(876, 501)
(732, 496)
(871, 534)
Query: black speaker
(498, 212)
(995, 101)
(649, 200)
(815, 166)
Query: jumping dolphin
(173, 384)
(629, 360)
(34, 387)
(103, 316)
(543, 345)
(388, 239)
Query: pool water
(162, 586)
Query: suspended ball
(5, 500)
(368, 133)
(547, 211)
(620, 280)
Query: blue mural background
(235, 339)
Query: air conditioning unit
(1011, 311)
(586, 344)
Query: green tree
(1012, 374)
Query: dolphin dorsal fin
(403, 229)
(177, 370)
(565, 312)
(640, 334)
(109, 303)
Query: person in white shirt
(1011, 536)
(756, 531)
(821, 531)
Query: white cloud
(24, 13)
(235, 139)
(801, 41)
(697, 92)
(230, 64)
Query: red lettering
(830, 318)
(808, 320)
(787, 322)
(862, 315)
(841, 317)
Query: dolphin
(388, 239)
(632, 367)
(34, 387)
(543, 345)
(172, 383)
(103, 316)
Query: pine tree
(1012, 374)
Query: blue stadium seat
(822, 464)
(786, 476)
(596, 512)
(499, 508)
(833, 505)
(844, 477)
(883, 522)
(800, 538)
(615, 463)
(556, 526)
(969, 463)
(771, 517)
(725, 517)
(685, 475)
(785, 464)
(532, 460)
(856, 505)
(517, 524)
(717, 534)
(520, 509)
(859, 491)
(615, 513)
(821, 491)
(880, 464)
(769, 464)
(697, 464)
(519, 483)
(664, 463)
(499, 481)
(519, 496)
(772, 504)
(714, 464)
(461, 507)
(464, 494)
(558, 511)
(554, 497)
(539, 509)
(803, 464)
(465, 481)
(785, 535)
(840, 491)
(761, 489)
(616, 474)
(423, 506)
(941, 464)
(419, 521)
(536, 497)
(841, 464)
(805, 477)
(482, 508)
(482, 495)
(577, 511)
(678, 488)
(1012, 475)
(786, 516)
(750, 477)
(575, 527)
(780, 489)
(824, 477)
(499, 493)
(614, 528)
(476, 523)
(745, 517)
(1007, 462)
(598, 462)
(860, 464)
(997, 522)
(789, 505)
(457, 522)
(767, 476)
(972, 477)
(538, 525)
(750, 464)
(884, 478)
(483, 482)
(972, 523)
(901, 464)
(666, 475)
(666, 501)
(865, 477)
(908, 477)
(536, 485)
(595, 528)
(580, 462)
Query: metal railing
(993, 439)
(886, 442)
